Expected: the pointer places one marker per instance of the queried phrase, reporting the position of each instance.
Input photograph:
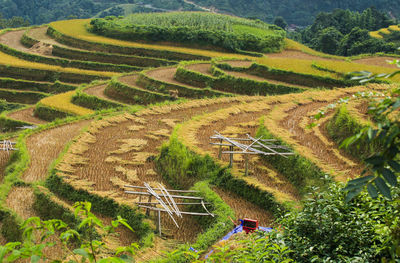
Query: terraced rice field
(120, 160)
(118, 148)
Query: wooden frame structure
(7, 146)
(165, 202)
(255, 146)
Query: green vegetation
(132, 94)
(343, 125)
(39, 235)
(364, 230)
(200, 29)
(346, 33)
(182, 167)
(294, 11)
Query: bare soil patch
(239, 63)
(295, 54)
(26, 115)
(98, 91)
(129, 79)
(45, 146)
(377, 61)
(166, 75)
(13, 40)
(40, 34)
(204, 68)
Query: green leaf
(372, 191)
(35, 259)
(82, 252)
(375, 160)
(361, 180)
(353, 193)
(396, 105)
(382, 187)
(395, 165)
(389, 176)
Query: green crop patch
(202, 29)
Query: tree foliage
(346, 33)
(12, 22)
(294, 11)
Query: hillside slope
(294, 11)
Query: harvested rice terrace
(103, 92)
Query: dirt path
(311, 141)
(377, 61)
(26, 115)
(98, 91)
(239, 63)
(202, 68)
(167, 75)
(13, 40)
(44, 148)
(295, 54)
(129, 80)
(40, 34)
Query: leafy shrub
(328, 229)
(342, 125)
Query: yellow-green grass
(78, 29)
(384, 31)
(394, 28)
(63, 103)
(305, 66)
(297, 65)
(375, 34)
(6, 59)
(346, 67)
(293, 45)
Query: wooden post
(246, 164)
(231, 156)
(220, 150)
(148, 210)
(159, 222)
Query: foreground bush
(83, 244)
(328, 229)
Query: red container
(250, 225)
